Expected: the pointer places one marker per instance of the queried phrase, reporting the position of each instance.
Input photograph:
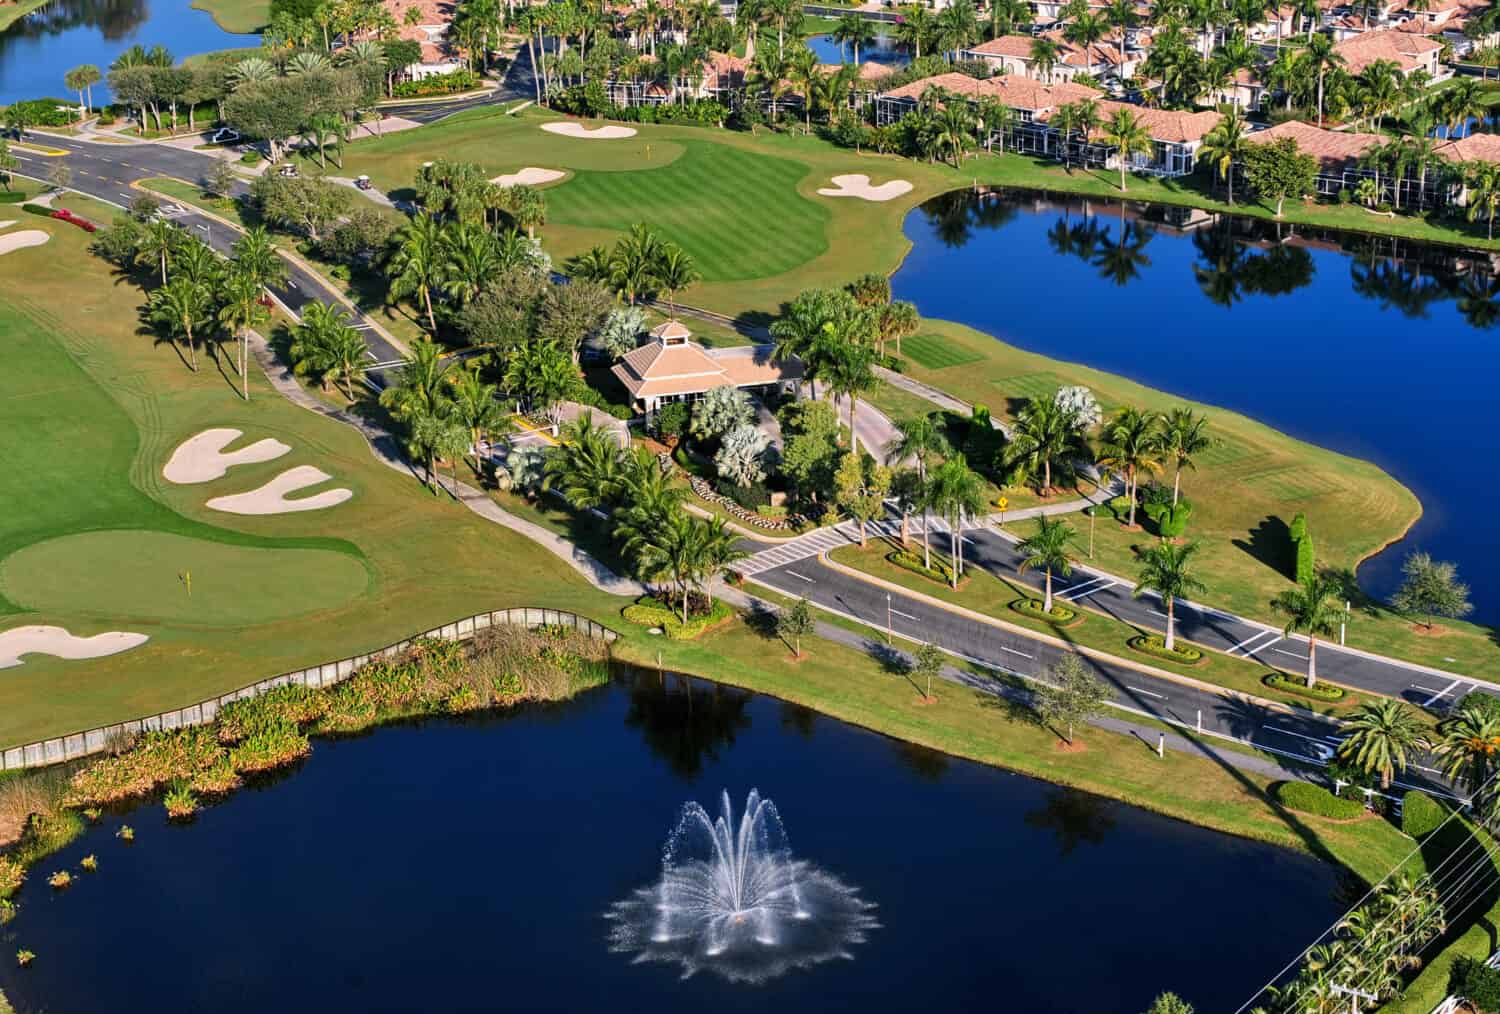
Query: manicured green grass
(91, 405)
(736, 212)
(14, 10)
(935, 353)
(239, 16)
(128, 575)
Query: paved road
(1297, 734)
(107, 171)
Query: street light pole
(1090, 513)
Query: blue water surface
(466, 866)
(1378, 348)
(37, 50)
(884, 50)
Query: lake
(468, 865)
(37, 50)
(1382, 349)
(885, 50)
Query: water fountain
(732, 900)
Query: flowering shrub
(67, 216)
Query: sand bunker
(7, 223)
(40, 640)
(858, 185)
(570, 129)
(202, 458)
(272, 497)
(13, 241)
(529, 177)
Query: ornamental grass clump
(90, 863)
(274, 742)
(157, 759)
(180, 801)
(12, 874)
(60, 880)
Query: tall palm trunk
(1176, 485)
(1171, 641)
(192, 348)
(431, 317)
(1047, 595)
(1312, 660)
(245, 363)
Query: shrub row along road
(108, 171)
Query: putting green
(149, 575)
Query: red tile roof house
(1176, 138)
(1026, 98)
(1408, 51)
(672, 367)
(1338, 153)
(434, 18)
(1011, 54)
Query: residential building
(670, 367)
(433, 19)
(1406, 50)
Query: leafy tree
(810, 446)
(306, 203)
(1431, 588)
(8, 164)
(543, 375)
(741, 458)
(860, 488)
(507, 314)
(1382, 733)
(570, 313)
(720, 410)
(1046, 550)
(1311, 608)
(59, 175)
(926, 662)
(1165, 571)
(1071, 695)
(796, 622)
(220, 180)
(1279, 170)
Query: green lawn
(736, 212)
(95, 539)
(242, 17)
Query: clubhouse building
(670, 367)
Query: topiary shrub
(1302, 545)
(671, 420)
(1476, 982)
(910, 560)
(1318, 691)
(1059, 616)
(14, 197)
(1155, 645)
(37, 209)
(649, 612)
(1421, 814)
(1316, 800)
(1171, 521)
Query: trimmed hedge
(1032, 608)
(1421, 814)
(1155, 645)
(1316, 692)
(649, 612)
(37, 209)
(14, 197)
(1316, 800)
(907, 560)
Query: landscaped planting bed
(1060, 616)
(1156, 646)
(1316, 692)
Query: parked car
(224, 135)
(362, 181)
(286, 169)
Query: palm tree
(474, 404)
(1132, 443)
(184, 307)
(954, 129)
(325, 344)
(82, 79)
(1125, 132)
(921, 438)
(1468, 745)
(472, 261)
(1225, 145)
(674, 271)
(1383, 731)
(1044, 55)
(1047, 550)
(419, 387)
(853, 30)
(241, 311)
(1312, 608)
(915, 28)
(1465, 101)
(328, 130)
(160, 239)
(956, 491)
(1121, 14)
(419, 263)
(588, 468)
(1045, 438)
(1320, 59)
(1482, 183)
(255, 257)
(847, 363)
(1164, 570)
(436, 435)
(634, 262)
(1184, 435)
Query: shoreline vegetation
(10, 13)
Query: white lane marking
(1299, 735)
(1090, 593)
(799, 577)
(1073, 589)
(1283, 651)
(1148, 693)
(1246, 641)
(128, 197)
(909, 616)
(1013, 651)
(1153, 612)
(1439, 695)
(291, 282)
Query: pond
(469, 865)
(885, 50)
(1382, 349)
(38, 49)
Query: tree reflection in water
(683, 721)
(1074, 818)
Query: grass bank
(11, 12)
(242, 17)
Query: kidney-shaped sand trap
(202, 458)
(858, 185)
(272, 497)
(529, 177)
(609, 132)
(42, 640)
(13, 241)
(7, 223)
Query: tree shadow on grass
(1270, 544)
